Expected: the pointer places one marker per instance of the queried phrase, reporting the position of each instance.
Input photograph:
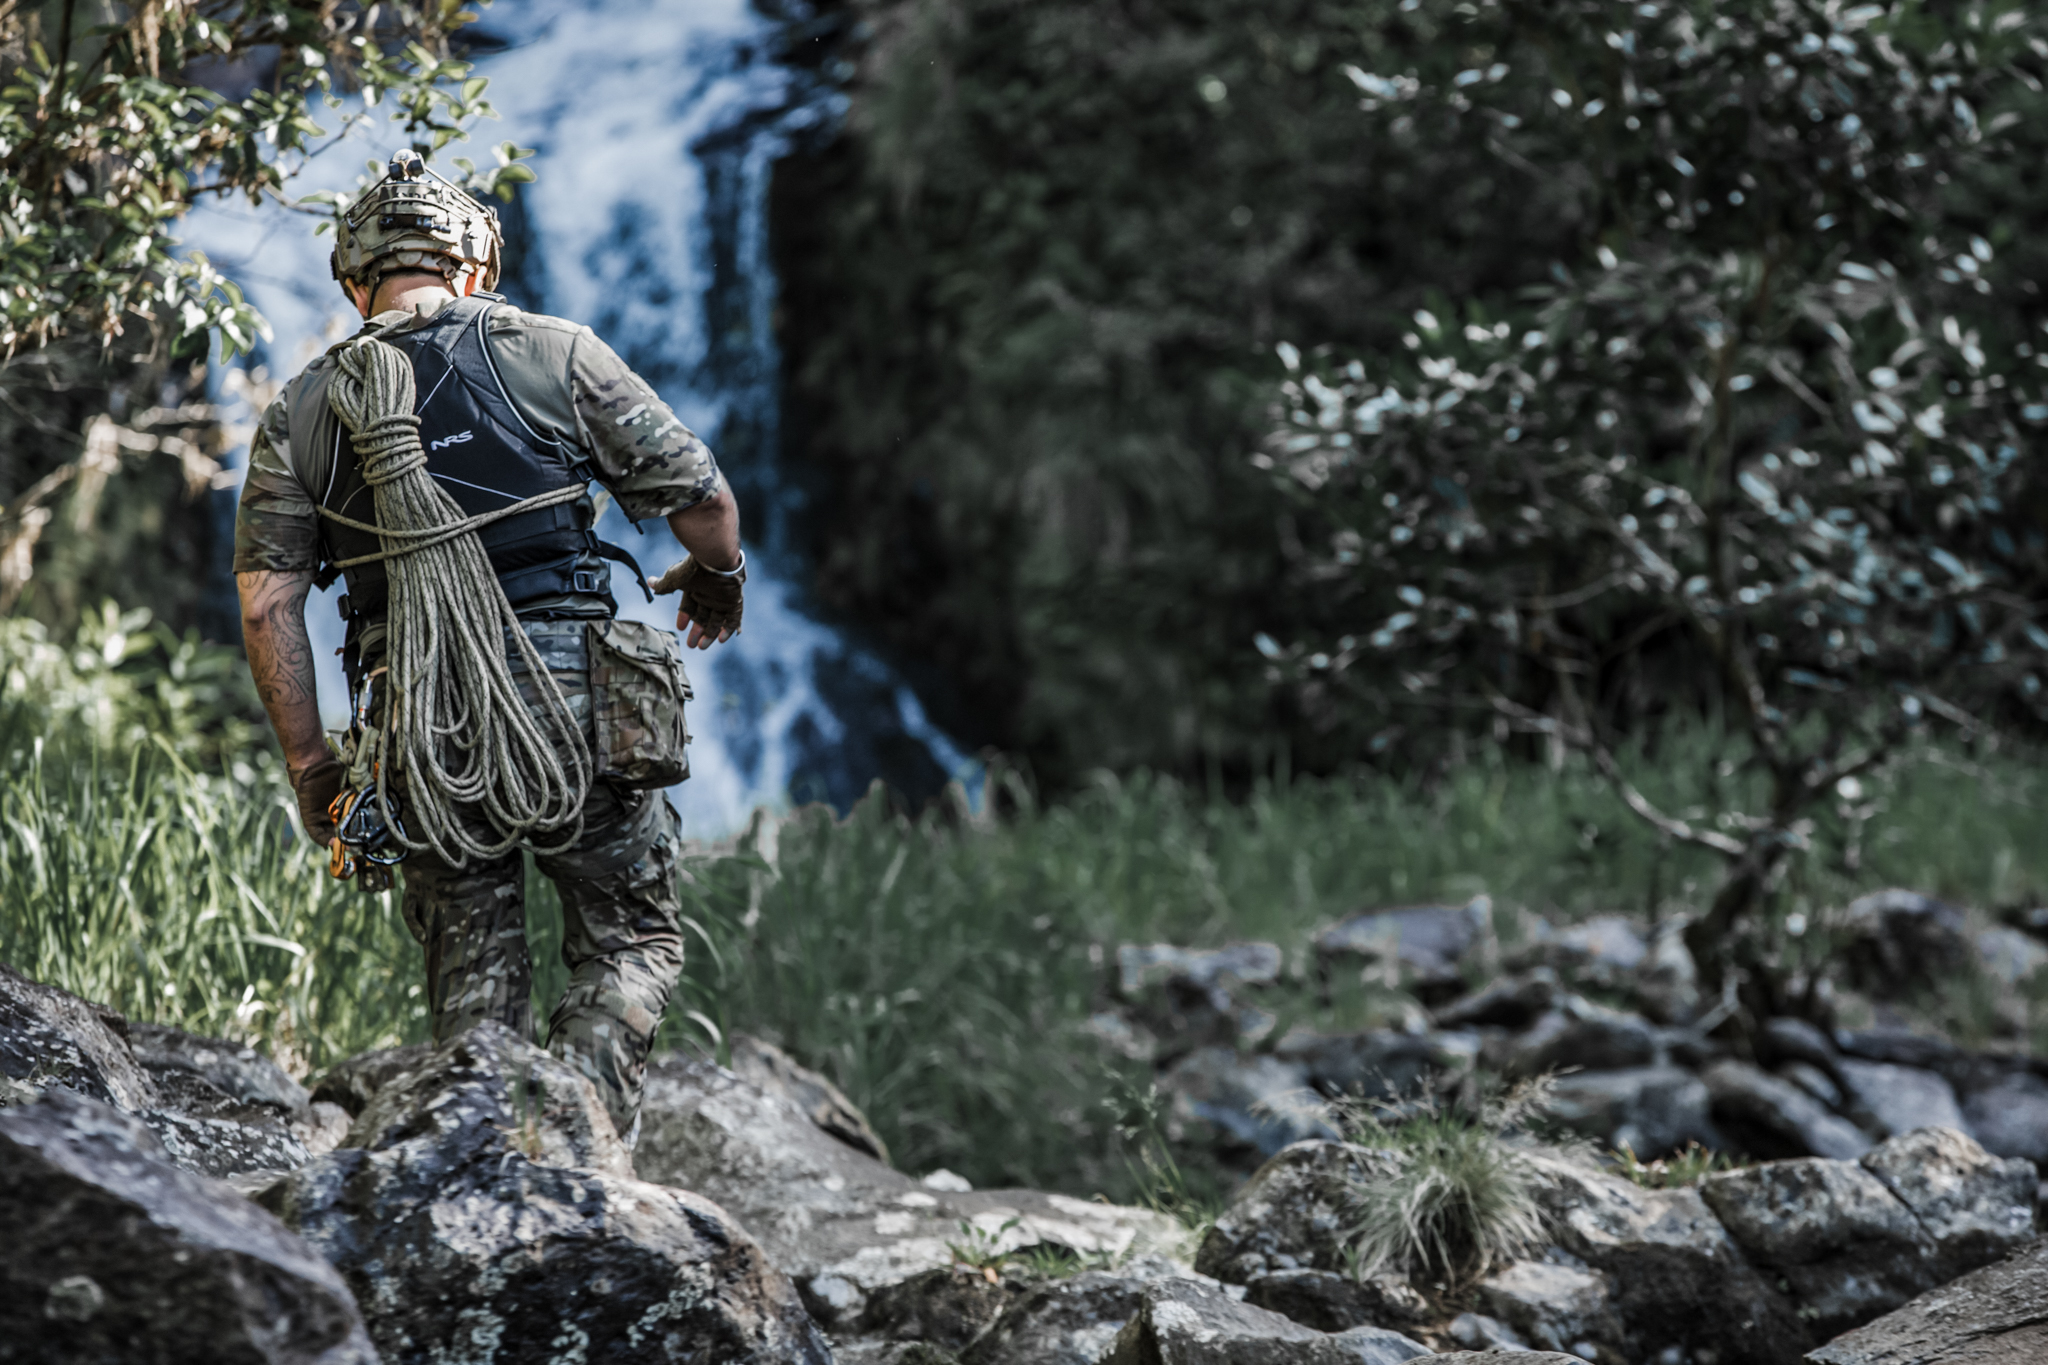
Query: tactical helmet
(409, 222)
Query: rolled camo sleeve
(276, 528)
(651, 462)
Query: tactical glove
(712, 600)
(316, 785)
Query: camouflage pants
(621, 935)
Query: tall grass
(942, 970)
(148, 860)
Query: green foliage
(149, 860)
(1027, 304)
(943, 972)
(1767, 417)
(1688, 1167)
(1459, 1197)
(114, 119)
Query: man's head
(414, 224)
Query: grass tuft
(1688, 1167)
(1460, 1197)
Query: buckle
(588, 580)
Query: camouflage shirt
(566, 383)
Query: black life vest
(485, 455)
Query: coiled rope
(456, 725)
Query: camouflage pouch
(637, 691)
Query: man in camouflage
(622, 936)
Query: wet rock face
(1995, 1316)
(114, 1254)
(484, 1211)
(840, 1223)
(1291, 1215)
(1193, 1322)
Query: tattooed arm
(281, 658)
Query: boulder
(1845, 1245)
(1668, 983)
(1787, 1040)
(1261, 1102)
(1820, 1084)
(1577, 1033)
(1379, 1064)
(1855, 1240)
(1063, 1322)
(2009, 956)
(1193, 1322)
(1900, 941)
(1555, 1305)
(1994, 1316)
(51, 1037)
(1770, 1117)
(1187, 997)
(1513, 1002)
(353, 1083)
(1333, 1302)
(1493, 1358)
(113, 1253)
(1679, 1280)
(1425, 948)
(837, 1221)
(234, 1072)
(1898, 1047)
(1652, 1110)
(1482, 1333)
(222, 1147)
(1898, 1099)
(1292, 1213)
(1139, 967)
(1605, 951)
(2011, 1117)
(824, 1103)
(1973, 1206)
(484, 1210)
(948, 1308)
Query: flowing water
(657, 124)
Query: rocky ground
(172, 1198)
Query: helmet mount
(414, 219)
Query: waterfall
(657, 124)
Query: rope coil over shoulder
(456, 726)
